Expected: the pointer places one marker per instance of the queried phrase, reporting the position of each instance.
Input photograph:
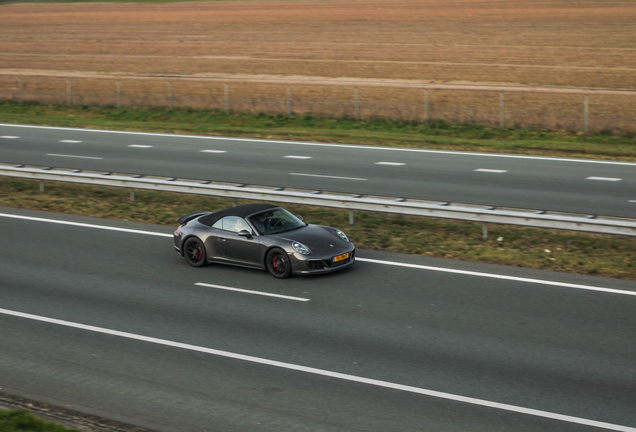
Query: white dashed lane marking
(328, 176)
(70, 141)
(213, 151)
(491, 170)
(139, 146)
(252, 292)
(297, 157)
(604, 179)
(9, 137)
(73, 156)
(390, 163)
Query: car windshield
(275, 221)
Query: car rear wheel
(194, 252)
(278, 263)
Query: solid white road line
(349, 146)
(496, 276)
(70, 141)
(327, 176)
(491, 170)
(9, 137)
(252, 292)
(139, 146)
(390, 163)
(326, 373)
(297, 157)
(392, 263)
(213, 151)
(73, 156)
(603, 178)
(84, 225)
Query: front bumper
(303, 265)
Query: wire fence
(572, 109)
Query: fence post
(288, 102)
(170, 95)
(68, 92)
(20, 90)
(426, 118)
(502, 110)
(227, 99)
(119, 98)
(356, 103)
(586, 112)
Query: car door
(236, 248)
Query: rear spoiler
(185, 219)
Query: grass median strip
(591, 254)
(21, 421)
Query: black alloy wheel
(194, 252)
(278, 263)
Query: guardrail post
(234, 202)
(288, 102)
(485, 230)
(68, 92)
(350, 217)
(118, 95)
(41, 185)
(132, 194)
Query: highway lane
(530, 345)
(555, 184)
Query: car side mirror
(245, 233)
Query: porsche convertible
(262, 236)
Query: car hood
(319, 239)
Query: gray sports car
(262, 236)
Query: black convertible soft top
(241, 211)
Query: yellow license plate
(341, 257)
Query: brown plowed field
(304, 43)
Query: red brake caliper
(274, 263)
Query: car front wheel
(194, 252)
(278, 263)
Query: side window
(234, 224)
(218, 224)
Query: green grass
(376, 132)
(22, 421)
(590, 254)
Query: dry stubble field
(387, 49)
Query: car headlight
(301, 248)
(342, 235)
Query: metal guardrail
(529, 218)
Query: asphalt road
(605, 188)
(365, 349)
